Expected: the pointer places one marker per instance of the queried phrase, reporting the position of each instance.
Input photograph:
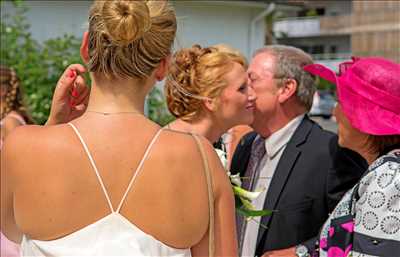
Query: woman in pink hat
(367, 219)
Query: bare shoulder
(29, 135)
(186, 144)
(21, 136)
(30, 141)
(16, 144)
(184, 148)
(8, 124)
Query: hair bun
(187, 58)
(126, 21)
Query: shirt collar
(280, 138)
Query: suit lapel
(283, 170)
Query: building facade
(376, 29)
(199, 22)
(333, 31)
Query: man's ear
(287, 90)
(85, 48)
(162, 69)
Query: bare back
(58, 193)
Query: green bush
(157, 109)
(39, 65)
(325, 85)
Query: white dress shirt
(274, 146)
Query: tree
(39, 65)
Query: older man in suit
(300, 165)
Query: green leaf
(246, 204)
(238, 202)
(253, 213)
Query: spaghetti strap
(211, 246)
(14, 116)
(18, 118)
(93, 165)
(139, 168)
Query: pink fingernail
(72, 103)
(72, 73)
(74, 93)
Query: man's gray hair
(289, 63)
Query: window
(305, 48)
(317, 49)
(320, 11)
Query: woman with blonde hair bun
(207, 91)
(111, 182)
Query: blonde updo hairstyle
(233, 53)
(129, 38)
(196, 74)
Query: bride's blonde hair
(197, 74)
(129, 38)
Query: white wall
(49, 19)
(202, 22)
(207, 24)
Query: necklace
(112, 113)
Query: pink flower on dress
(337, 252)
(349, 226)
(331, 231)
(323, 243)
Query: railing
(332, 56)
(297, 27)
(331, 60)
(313, 26)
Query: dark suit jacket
(311, 177)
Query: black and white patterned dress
(377, 212)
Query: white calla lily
(246, 194)
(235, 179)
(245, 208)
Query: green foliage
(311, 13)
(157, 109)
(323, 84)
(40, 64)
(270, 19)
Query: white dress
(112, 235)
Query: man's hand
(289, 252)
(70, 97)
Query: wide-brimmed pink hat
(368, 92)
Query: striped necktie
(257, 153)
